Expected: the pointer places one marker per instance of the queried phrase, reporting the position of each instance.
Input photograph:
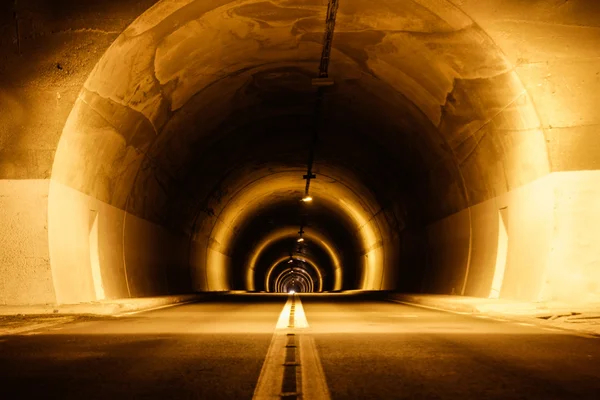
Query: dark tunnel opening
(272, 233)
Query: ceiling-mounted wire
(321, 82)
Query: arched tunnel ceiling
(432, 55)
(199, 137)
(441, 134)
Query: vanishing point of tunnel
(300, 199)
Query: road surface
(357, 347)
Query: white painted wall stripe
(95, 260)
(501, 254)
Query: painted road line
(284, 317)
(300, 318)
(270, 380)
(292, 368)
(313, 381)
(314, 384)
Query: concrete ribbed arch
(309, 261)
(284, 278)
(288, 232)
(355, 203)
(285, 275)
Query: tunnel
(296, 151)
(448, 156)
(176, 153)
(188, 142)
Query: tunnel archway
(337, 196)
(297, 281)
(175, 143)
(283, 264)
(286, 233)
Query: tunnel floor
(358, 347)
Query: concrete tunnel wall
(529, 166)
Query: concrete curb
(436, 302)
(108, 307)
(497, 306)
(508, 310)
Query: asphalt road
(368, 349)
(380, 350)
(196, 351)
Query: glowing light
(307, 199)
(292, 292)
(282, 275)
(300, 240)
(501, 254)
(246, 201)
(290, 261)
